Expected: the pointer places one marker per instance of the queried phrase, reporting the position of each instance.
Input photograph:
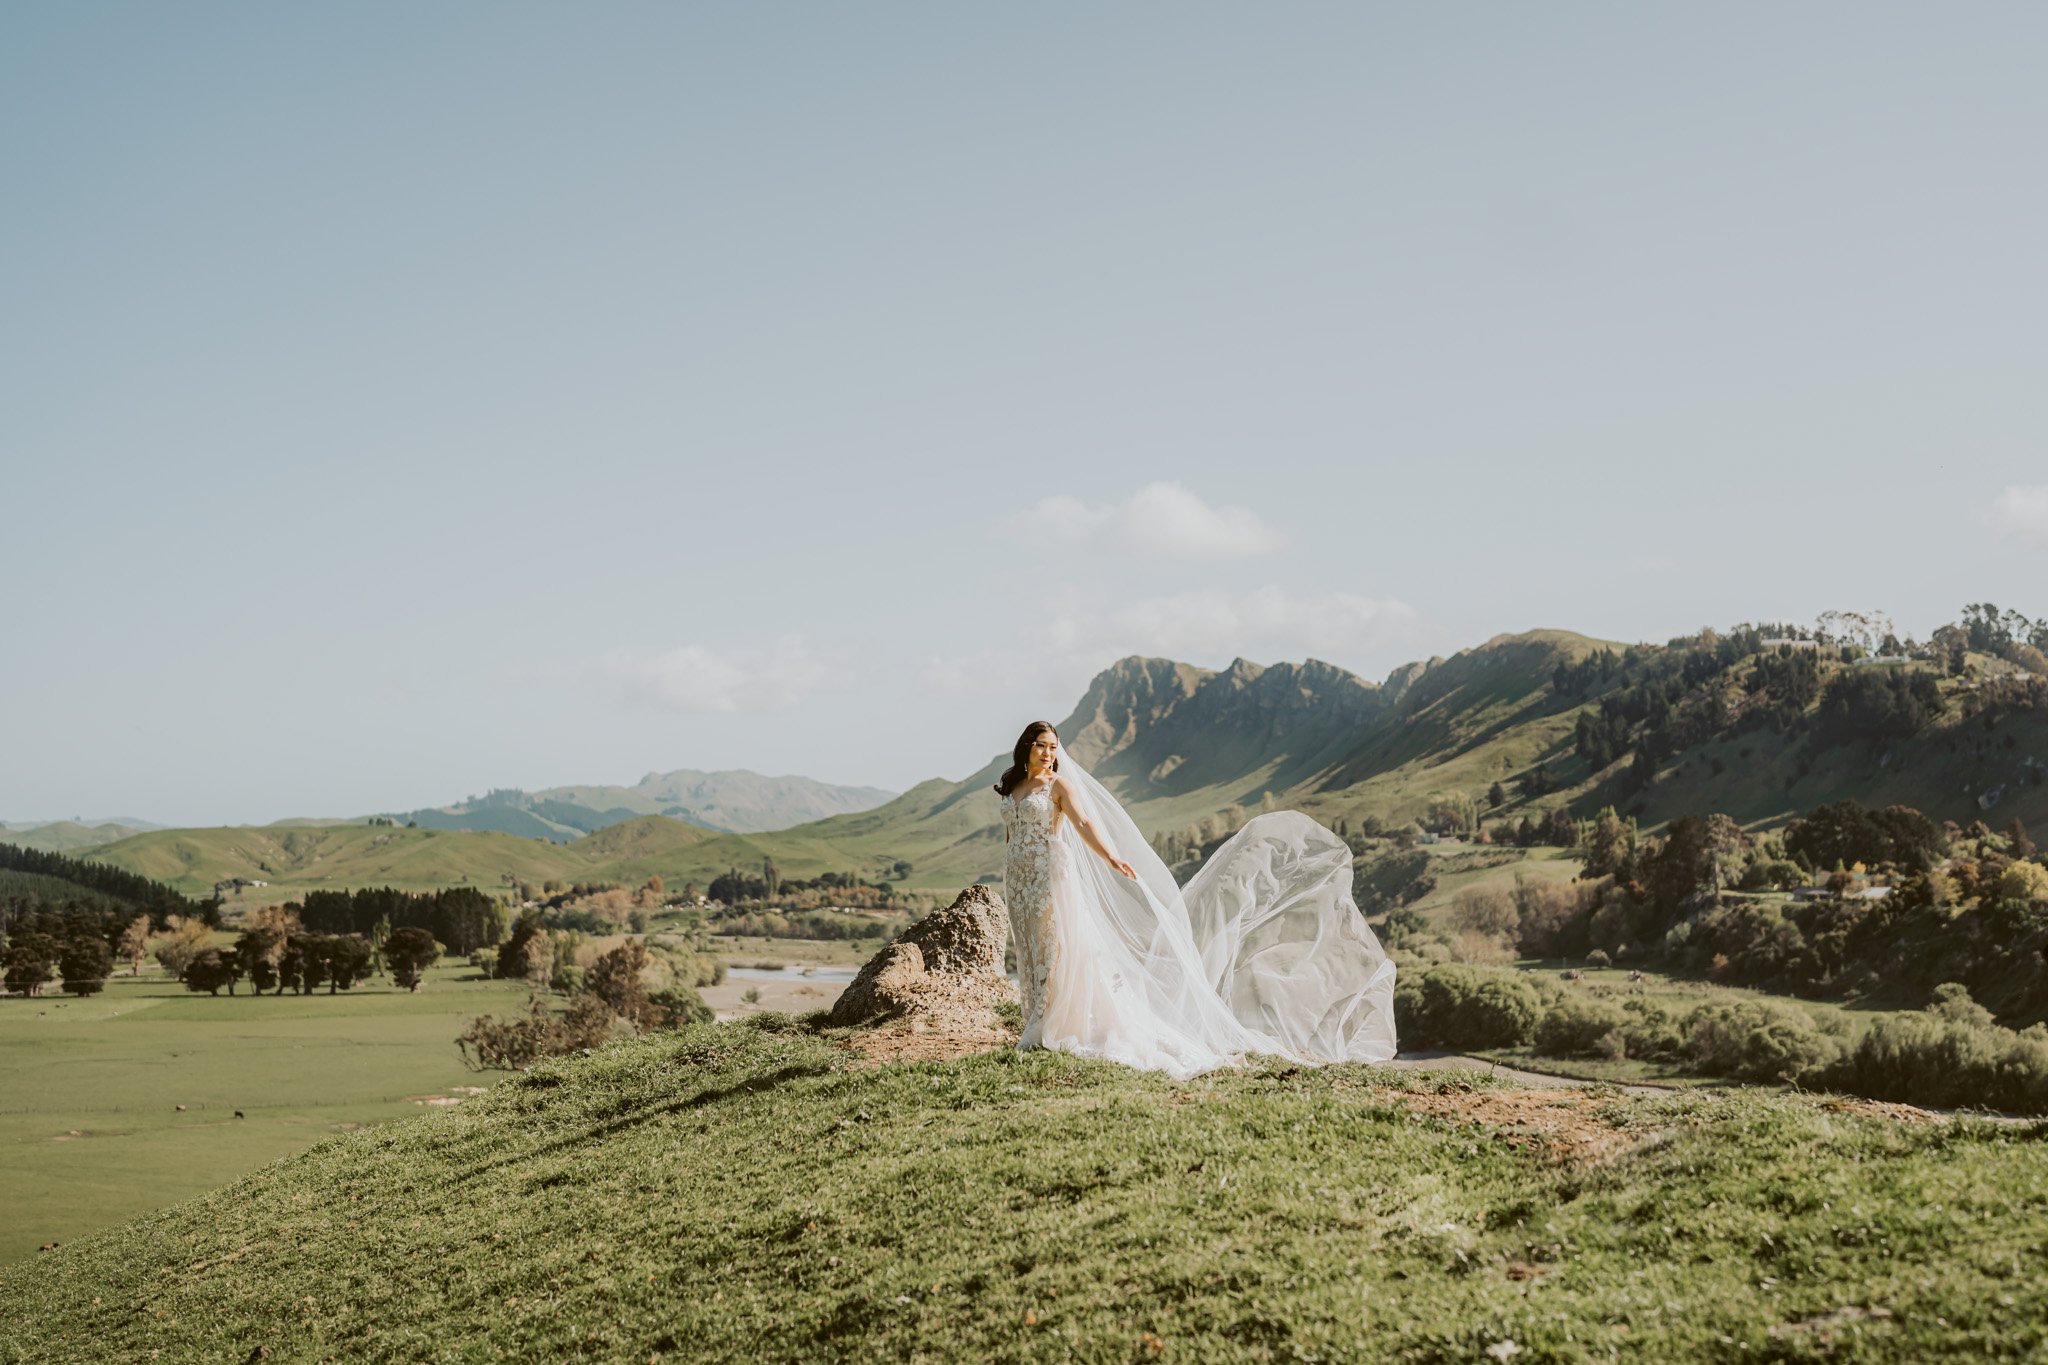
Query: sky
(401, 401)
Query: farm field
(90, 1132)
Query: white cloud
(2022, 511)
(694, 678)
(1058, 649)
(1160, 518)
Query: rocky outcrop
(945, 971)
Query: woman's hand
(1120, 865)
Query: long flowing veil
(1264, 950)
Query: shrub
(1485, 910)
(1579, 1026)
(1650, 1033)
(1481, 949)
(515, 1043)
(1952, 1002)
(1934, 1060)
(1753, 1041)
(682, 1005)
(1464, 1007)
(1552, 916)
(1599, 957)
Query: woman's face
(1044, 750)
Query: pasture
(90, 1130)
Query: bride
(1264, 951)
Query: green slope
(193, 860)
(728, 1195)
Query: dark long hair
(1021, 756)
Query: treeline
(546, 957)
(1887, 906)
(107, 893)
(462, 918)
(278, 959)
(813, 924)
(275, 954)
(735, 888)
(1649, 704)
(630, 989)
(1660, 702)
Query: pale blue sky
(398, 400)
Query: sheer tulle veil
(1264, 950)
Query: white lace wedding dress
(1263, 952)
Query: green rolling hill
(65, 836)
(1180, 743)
(730, 801)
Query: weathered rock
(945, 970)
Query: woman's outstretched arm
(1068, 800)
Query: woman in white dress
(1263, 952)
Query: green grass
(730, 1194)
(115, 1066)
(1462, 866)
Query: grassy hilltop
(729, 1193)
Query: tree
(257, 953)
(616, 979)
(211, 969)
(1844, 832)
(512, 952)
(465, 919)
(1695, 859)
(1496, 797)
(772, 876)
(31, 957)
(2025, 882)
(1610, 844)
(135, 943)
(540, 961)
(348, 961)
(86, 962)
(183, 940)
(282, 920)
(410, 952)
(380, 934)
(301, 965)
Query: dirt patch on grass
(1876, 1109)
(915, 1041)
(1560, 1125)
